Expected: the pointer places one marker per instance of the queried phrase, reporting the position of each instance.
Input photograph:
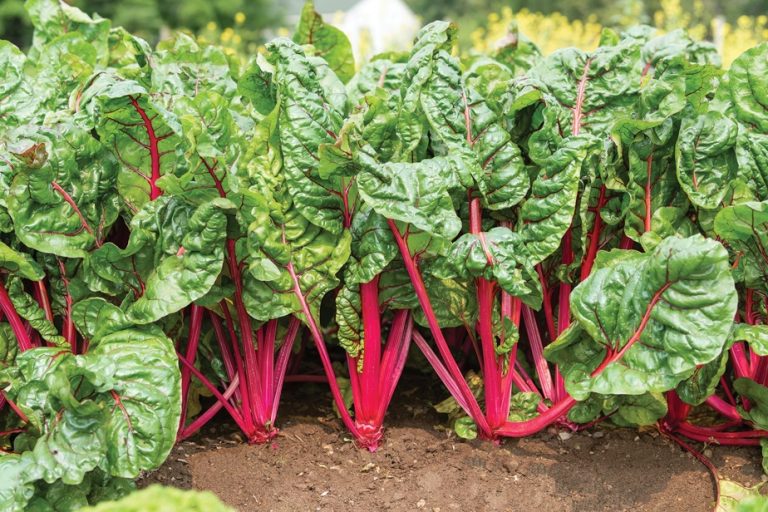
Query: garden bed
(313, 465)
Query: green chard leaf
(706, 158)
(742, 95)
(174, 255)
(465, 124)
(330, 43)
(745, 228)
(645, 322)
(306, 120)
(62, 200)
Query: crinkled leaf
(173, 257)
(330, 42)
(29, 309)
(19, 263)
(547, 212)
(129, 125)
(755, 335)
(675, 304)
(705, 158)
(306, 120)
(743, 94)
(498, 255)
(745, 227)
(62, 197)
(415, 193)
(462, 120)
(373, 247)
(349, 320)
(136, 373)
(702, 384)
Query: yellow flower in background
(211, 26)
(549, 32)
(283, 32)
(240, 18)
(553, 31)
(226, 36)
(236, 39)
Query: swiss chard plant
(89, 396)
(499, 201)
(728, 188)
(566, 239)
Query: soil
(314, 466)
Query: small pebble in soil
(598, 434)
(564, 436)
(421, 503)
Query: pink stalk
(393, 369)
(485, 296)
(42, 297)
(723, 407)
(492, 385)
(626, 243)
(739, 360)
(69, 325)
(727, 391)
(724, 438)
(369, 380)
(444, 375)
(547, 304)
(282, 364)
(511, 308)
(195, 326)
(154, 149)
(251, 364)
(394, 347)
(226, 355)
(537, 351)
(266, 357)
(204, 418)
(594, 237)
(761, 374)
(324, 357)
(216, 393)
(354, 382)
(239, 364)
(525, 377)
(15, 408)
(564, 292)
(540, 422)
(17, 325)
(426, 305)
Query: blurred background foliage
(241, 25)
(153, 19)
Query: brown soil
(314, 466)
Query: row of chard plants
(590, 229)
